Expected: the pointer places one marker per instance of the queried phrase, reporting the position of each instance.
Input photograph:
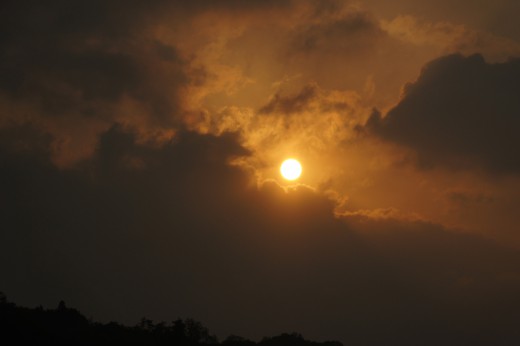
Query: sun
(291, 169)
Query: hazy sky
(140, 145)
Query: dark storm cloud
(461, 113)
(174, 229)
(67, 58)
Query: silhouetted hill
(66, 326)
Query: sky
(140, 146)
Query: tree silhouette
(61, 306)
(234, 340)
(67, 326)
(198, 334)
(179, 331)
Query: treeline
(66, 326)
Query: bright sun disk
(291, 169)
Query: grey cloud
(70, 57)
(461, 113)
(293, 103)
(311, 96)
(464, 198)
(348, 35)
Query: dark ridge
(67, 326)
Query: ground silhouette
(67, 326)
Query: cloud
(460, 113)
(451, 38)
(311, 98)
(289, 104)
(353, 32)
(76, 69)
(176, 228)
(487, 16)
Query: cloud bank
(461, 112)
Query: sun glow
(291, 169)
